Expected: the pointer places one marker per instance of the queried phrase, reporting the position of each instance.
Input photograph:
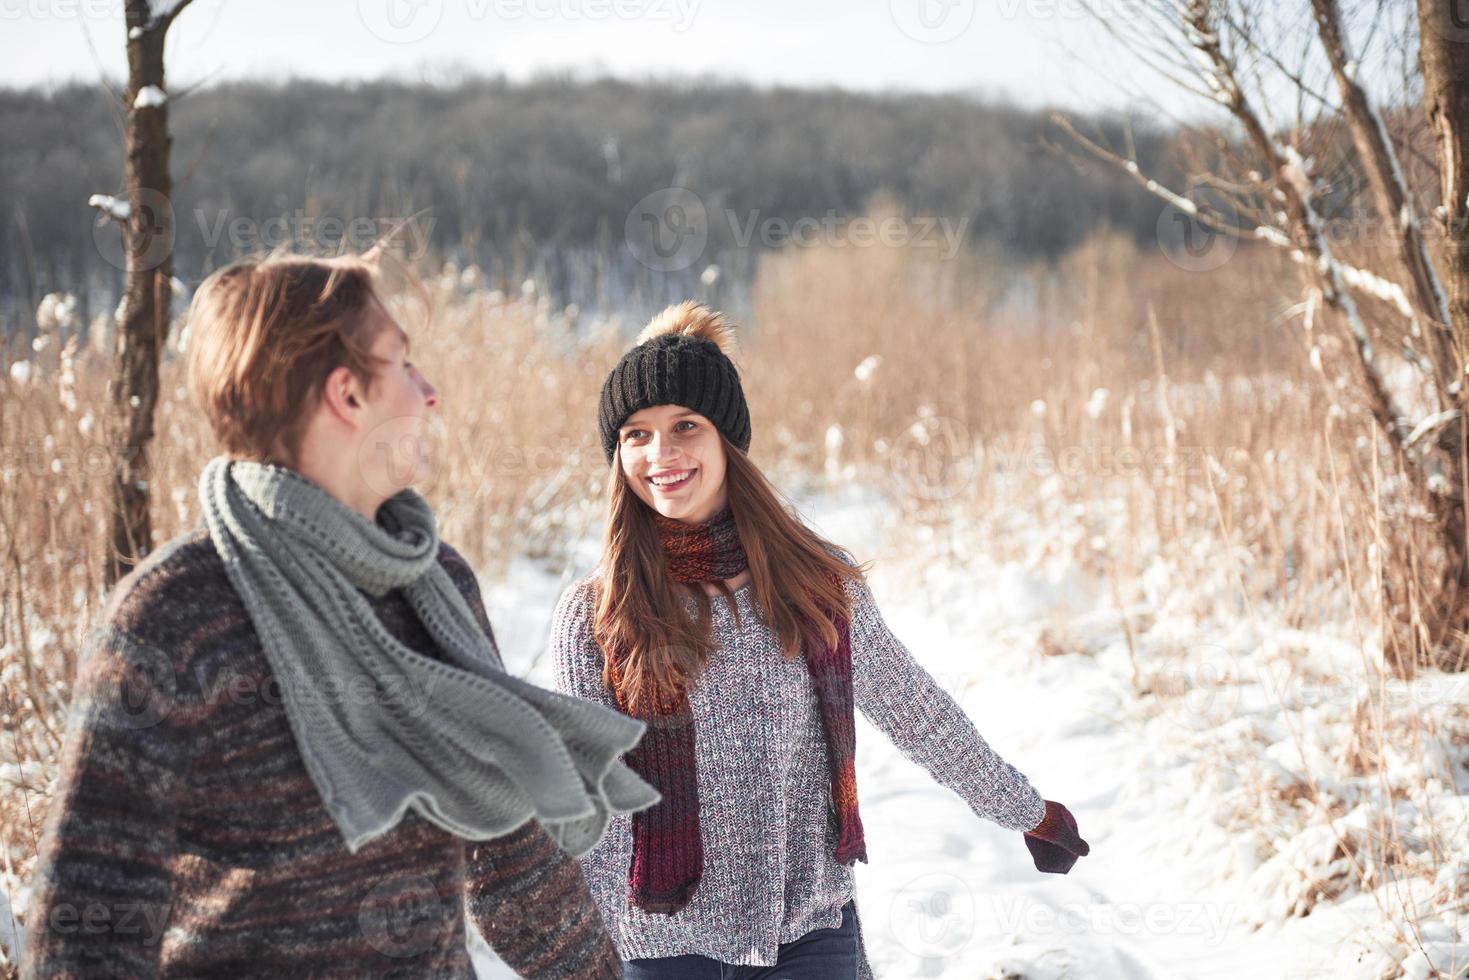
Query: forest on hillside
(538, 178)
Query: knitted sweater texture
(767, 825)
(185, 837)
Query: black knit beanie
(675, 369)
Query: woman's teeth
(672, 482)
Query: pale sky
(1014, 48)
(1035, 52)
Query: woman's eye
(691, 425)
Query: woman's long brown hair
(640, 607)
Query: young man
(293, 749)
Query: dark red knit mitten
(1055, 843)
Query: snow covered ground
(1195, 861)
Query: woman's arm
(578, 667)
(897, 695)
(578, 658)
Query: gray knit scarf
(381, 728)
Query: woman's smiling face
(673, 459)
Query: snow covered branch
(115, 208)
(1362, 280)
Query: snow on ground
(1177, 885)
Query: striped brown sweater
(185, 837)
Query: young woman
(294, 750)
(745, 641)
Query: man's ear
(341, 394)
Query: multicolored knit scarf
(668, 851)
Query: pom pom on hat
(691, 319)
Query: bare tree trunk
(1200, 17)
(1389, 194)
(1444, 52)
(1445, 57)
(1390, 199)
(148, 241)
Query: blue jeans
(821, 954)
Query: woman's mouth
(671, 480)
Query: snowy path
(948, 894)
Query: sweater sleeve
(534, 907)
(578, 666)
(103, 888)
(927, 725)
(578, 658)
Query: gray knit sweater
(765, 814)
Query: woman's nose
(660, 448)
